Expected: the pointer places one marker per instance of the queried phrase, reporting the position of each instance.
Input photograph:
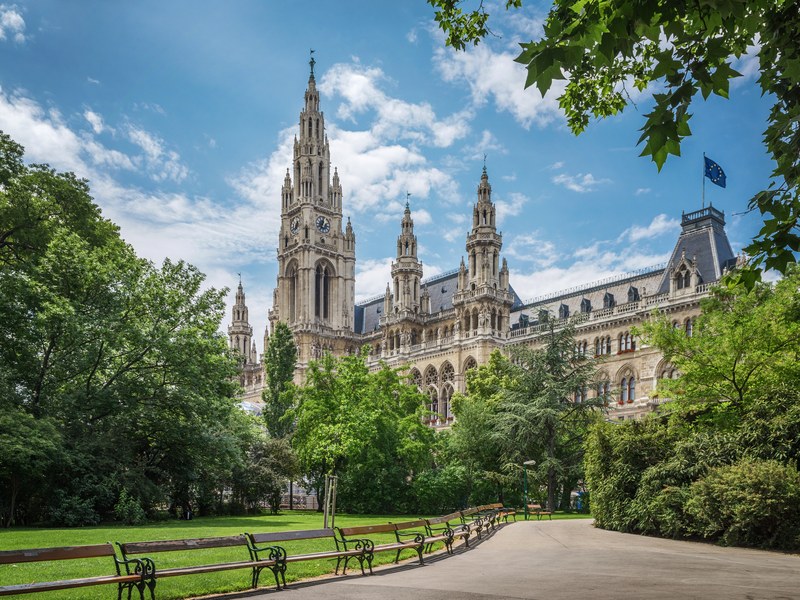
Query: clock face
(323, 224)
(294, 227)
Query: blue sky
(182, 113)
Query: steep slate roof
(440, 288)
(645, 281)
(702, 238)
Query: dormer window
(563, 311)
(608, 300)
(586, 306)
(633, 294)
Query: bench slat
(410, 524)
(192, 544)
(322, 555)
(44, 586)
(8, 557)
(365, 529)
(289, 536)
(212, 568)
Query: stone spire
(407, 270)
(240, 332)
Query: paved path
(554, 560)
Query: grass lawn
(185, 586)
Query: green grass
(185, 586)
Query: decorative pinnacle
(312, 62)
(408, 195)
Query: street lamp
(525, 465)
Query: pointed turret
(407, 270)
(483, 299)
(240, 332)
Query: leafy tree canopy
(682, 48)
(280, 359)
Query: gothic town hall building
(441, 327)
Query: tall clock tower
(316, 254)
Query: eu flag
(714, 172)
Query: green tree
(730, 437)
(473, 442)
(364, 427)
(122, 358)
(280, 358)
(744, 346)
(682, 48)
(262, 477)
(539, 412)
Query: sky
(181, 115)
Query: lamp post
(525, 465)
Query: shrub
(73, 511)
(752, 503)
(129, 510)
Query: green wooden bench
(256, 545)
(138, 573)
(273, 562)
(439, 529)
(354, 538)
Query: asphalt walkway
(569, 559)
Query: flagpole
(704, 180)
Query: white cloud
(95, 120)
(93, 81)
(660, 225)
(511, 207)
(642, 191)
(531, 248)
(747, 64)
(12, 25)
(43, 133)
(495, 75)
(162, 164)
(395, 119)
(371, 277)
(556, 166)
(581, 183)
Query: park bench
(353, 538)
(256, 541)
(439, 529)
(273, 562)
(138, 572)
(536, 509)
(472, 519)
(503, 512)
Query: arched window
(689, 327)
(292, 276)
(322, 290)
(416, 378)
(608, 345)
(447, 373)
(631, 389)
(431, 378)
(623, 390)
(444, 403)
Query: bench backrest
(8, 557)
(289, 536)
(468, 512)
(445, 519)
(495, 505)
(192, 544)
(367, 529)
(419, 523)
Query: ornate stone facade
(441, 327)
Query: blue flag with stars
(714, 172)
